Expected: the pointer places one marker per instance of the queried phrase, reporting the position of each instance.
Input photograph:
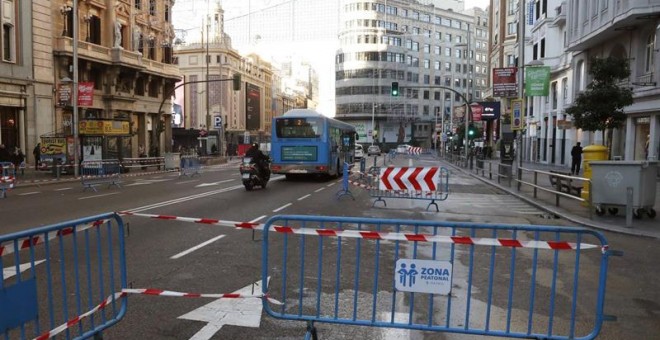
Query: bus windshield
(298, 127)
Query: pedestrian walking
(37, 155)
(576, 154)
(5, 156)
(17, 159)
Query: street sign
(443, 137)
(369, 134)
(217, 122)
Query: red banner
(85, 94)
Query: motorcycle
(251, 175)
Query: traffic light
(472, 131)
(237, 82)
(395, 88)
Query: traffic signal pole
(468, 112)
(236, 79)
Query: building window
(138, 4)
(152, 7)
(564, 89)
(141, 44)
(8, 37)
(95, 30)
(511, 28)
(167, 13)
(650, 51)
(554, 95)
(152, 49)
(542, 53)
(7, 42)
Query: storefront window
(642, 133)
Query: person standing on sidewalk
(37, 155)
(576, 154)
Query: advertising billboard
(505, 82)
(252, 107)
(491, 111)
(178, 114)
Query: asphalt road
(190, 257)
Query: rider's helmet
(255, 145)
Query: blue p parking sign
(217, 122)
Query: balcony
(117, 56)
(560, 15)
(645, 80)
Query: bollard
(519, 178)
(536, 183)
(629, 207)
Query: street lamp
(468, 109)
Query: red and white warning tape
(36, 240)
(61, 328)
(146, 291)
(380, 235)
(358, 184)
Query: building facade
(550, 134)
(17, 72)
(422, 47)
(627, 30)
(125, 73)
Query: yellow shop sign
(104, 127)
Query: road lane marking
(319, 190)
(213, 183)
(283, 207)
(192, 197)
(302, 198)
(101, 195)
(258, 218)
(29, 193)
(188, 181)
(331, 184)
(203, 244)
(62, 189)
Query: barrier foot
(342, 193)
(433, 203)
(379, 199)
(311, 331)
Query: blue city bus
(306, 142)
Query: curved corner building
(422, 45)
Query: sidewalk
(31, 177)
(571, 210)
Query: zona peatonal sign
(423, 276)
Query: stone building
(125, 63)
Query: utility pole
(74, 96)
(521, 77)
(208, 108)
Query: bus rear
(299, 145)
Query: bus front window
(298, 127)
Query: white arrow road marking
(236, 312)
(212, 183)
(63, 189)
(186, 252)
(11, 271)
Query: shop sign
(104, 127)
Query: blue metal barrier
(519, 281)
(52, 275)
(7, 178)
(190, 166)
(94, 173)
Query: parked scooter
(252, 175)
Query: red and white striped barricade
(423, 183)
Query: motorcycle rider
(259, 158)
